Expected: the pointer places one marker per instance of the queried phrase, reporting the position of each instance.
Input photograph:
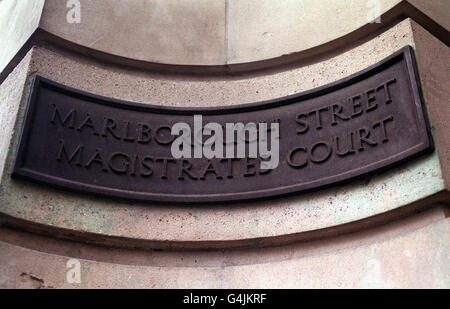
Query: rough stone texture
(307, 212)
(14, 32)
(434, 60)
(171, 90)
(410, 253)
(11, 93)
(169, 31)
(202, 32)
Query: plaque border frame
(425, 146)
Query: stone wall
(388, 229)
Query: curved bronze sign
(361, 124)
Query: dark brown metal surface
(364, 123)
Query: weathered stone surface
(379, 194)
(410, 253)
(438, 10)
(407, 253)
(11, 93)
(200, 32)
(169, 31)
(219, 32)
(267, 29)
(433, 60)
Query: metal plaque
(361, 124)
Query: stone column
(388, 229)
